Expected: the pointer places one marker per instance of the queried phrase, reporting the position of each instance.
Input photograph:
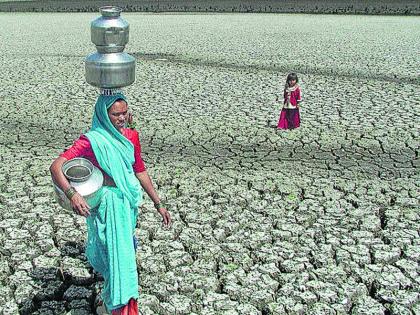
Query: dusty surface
(320, 220)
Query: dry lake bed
(320, 220)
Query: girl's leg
(283, 124)
(293, 118)
(289, 118)
(296, 118)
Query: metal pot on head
(85, 178)
(110, 67)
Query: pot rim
(78, 161)
(110, 10)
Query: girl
(289, 116)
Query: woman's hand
(130, 121)
(80, 205)
(165, 216)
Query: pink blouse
(294, 98)
(82, 148)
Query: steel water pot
(109, 32)
(110, 70)
(85, 178)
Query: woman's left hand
(130, 121)
(165, 216)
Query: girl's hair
(291, 76)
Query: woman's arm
(77, 201)
(57, 174)
(146, 183)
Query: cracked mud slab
(320, 220)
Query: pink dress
(289, 115)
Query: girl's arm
(298, 96)
(146, 183)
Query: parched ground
(319, 220)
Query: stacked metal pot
(110, 67)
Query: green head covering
(114, 152)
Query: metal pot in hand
(85, 178)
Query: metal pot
(109, 32)
(85, 178)
(110, 67)
(110, 70)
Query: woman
(116, 151)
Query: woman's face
(292, 82)
(118, 114)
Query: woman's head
(110, 113)
(292, 79)
(118, 114)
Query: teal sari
(111, 225)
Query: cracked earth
(320, 220)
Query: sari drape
(111, 225)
